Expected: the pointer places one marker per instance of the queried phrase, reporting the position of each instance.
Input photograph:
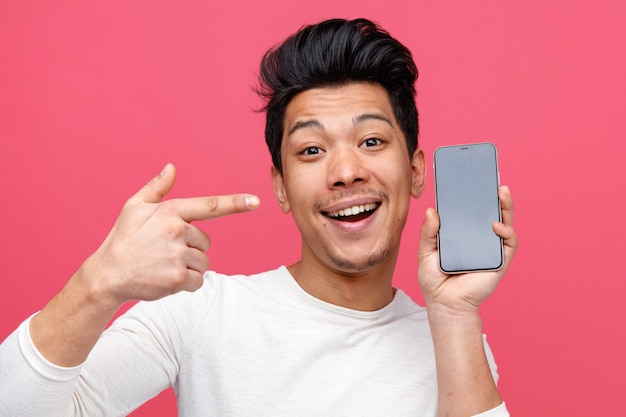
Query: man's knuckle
(178, 276)
(179, 228)
(167, 207)
(204, 263)
(212, 204)
(178, 254)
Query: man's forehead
(355, 103)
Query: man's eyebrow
(301, 124)
(370, 116)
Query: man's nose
(346, 167)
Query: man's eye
(312, 150)
(371, 142)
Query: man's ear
(279, 190)
(418, 168)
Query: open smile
(353, 213)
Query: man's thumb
(157, 188)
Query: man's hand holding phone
(452, 302)
(472, 230)
(463, 292)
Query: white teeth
(351, 211)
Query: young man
(328, 335)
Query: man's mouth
(354, 213)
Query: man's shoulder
(215, 280)
(270, 274)
(256, 284)
(218, 291)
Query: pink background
(95, 97)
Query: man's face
(347, 176)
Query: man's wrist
(66, 329)
(439, 314)
(95, 287)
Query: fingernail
(252, 201)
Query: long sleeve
(124, 370)
(134, 360)
(30, 385)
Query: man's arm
(152, 251)
(465, 383)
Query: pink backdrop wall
(95, 97)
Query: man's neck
(365, 291)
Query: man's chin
(355, 265)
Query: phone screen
(466, 190)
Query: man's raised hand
(153, 249)
(462, 292)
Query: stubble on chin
(351, 265)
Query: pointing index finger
(210, 207)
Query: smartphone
(466, 193)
